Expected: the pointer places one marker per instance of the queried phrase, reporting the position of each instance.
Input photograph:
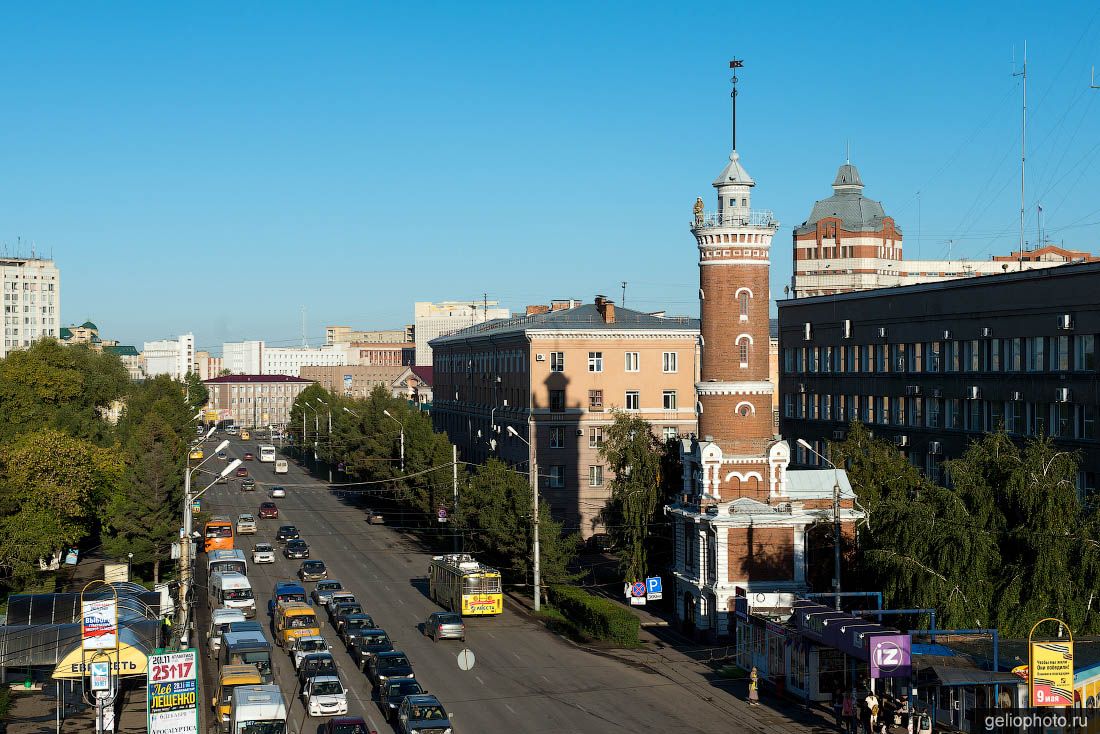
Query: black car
(248, 484)
(350, 625)
(387, 666)
(352, 607)
(393, 693)
(316, 663)
(367, 644)
(296, 548)
(286, 532)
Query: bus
(218, 534)
(461, 584)
(267, 453)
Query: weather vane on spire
(736, 63)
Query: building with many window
(432, 320)
(254, 400)
(32, 301)
(348, 335)
(174, 357)
(353, 381)
(381, 354)
(933, 366)
(243, 358)
(554, 375)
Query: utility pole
(533, 471)
(454, 478)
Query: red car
(268, 511)
(242, 472)
(249, 457)
(347, 725)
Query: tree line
(70, 478)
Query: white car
(246, 524)
(305, 645)
(263, 553)
(278, 492)
(324, 695)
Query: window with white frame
(595, 361)
(557, 361)
(633, 401)
(669, 362)
(595, 476)
(669, 399)
(557, 437)
(595, 437)
(743, 352)
(743, 305)
(670, 433)
(632, 362)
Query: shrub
(596, 617)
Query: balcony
(751, 218)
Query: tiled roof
(122, 351)
(734, 173)
(585, 317)
(857, 213)
(253, 378)
(65, 333)
(424, 373)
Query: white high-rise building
(440, 319)
(290, 360)
(174, 357)
(243, 358)
(32, 301)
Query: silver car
(445, 626)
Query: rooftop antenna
(1022, 73)
(736, 63)
(304, 343)
(624, 294)
(847, 152)
(1093, 84)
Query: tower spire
(735, 63)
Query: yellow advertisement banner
(1051, 672)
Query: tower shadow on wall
(564, 501)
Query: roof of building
(122, 350)
(359, 372)
(64, 333)
(734, 173)
(804, 484)
(857, 213)
(254, 378)
(586, 317)
(424, 373)
(89, 325)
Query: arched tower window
(743, 296)
(743, 342)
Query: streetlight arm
(224, 472)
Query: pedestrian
(754, 687)
(870, 712)
(848, 711)
(838, 706)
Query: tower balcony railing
(750, 218)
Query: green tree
(195, 391)
(634, 456)
(52, 490)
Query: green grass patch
(595, 617)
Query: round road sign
(466, 659)
(637, 589)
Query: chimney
(537, 309)
(563, 304)
(606, 309)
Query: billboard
(890, 656)
(1051, 672)
(173, 693)
(99, 624)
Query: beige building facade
(255, 400)
(353, 381)
(347, 335)
(554, 376)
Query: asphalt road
(525, 679)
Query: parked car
(367, 644)
(286, 532)
(394, 692)
(346, 725)
(242, 472)
(268, 511)
(324, 695)
(422, 713)
(278, 492)
(352, 624)
(296, 548)
(313, 571)
(246, 524)
(342, 610)
(316, 663)
(600, 543)
(387, 666)
(339, 597)
(303, 646)
(263, 553)
(248, 484)
(248, 457)
(445, 626)
(324, 590)
(375, 518)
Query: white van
(281, 467)
(220, 619)
(230, 560)
(232, 590)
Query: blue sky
(214, 167)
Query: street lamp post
(836, 520)
(329, 412)
(533, 471)
(129, 566)
(402, 425)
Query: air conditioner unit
(934, 447)
(987, 331)
(1065, 321)
(946, 334)
(847, 328)
(580, 431)
(973, 392)
(1017, 395)
(540, 357)
(838, 435)
(882, 332)
(901, 440)
(1062, 395)
(912, 389)
(937, 393)
(802, 387)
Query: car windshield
(262, 727)
(219, 531)
(327, 688)
(376, 640)
(264, 548)
(293, 597)
(329, 586)
(349, 729)
(245, 518)
(313, 566)
(303, 621)
(288, 530)
(267, 506)
(237, 593)
(345, 609)
(261, 659)
(427, 713)
(358, 624)
(449, 619)
(296, 544)
(399, 661)
(312, 645)
(404, 688)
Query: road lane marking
(479, 680)
(510, 709)
(517, 656)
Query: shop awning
(57, 646)
(950, 676)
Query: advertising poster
(1051, 672)
(99, 624)
(173, 693)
